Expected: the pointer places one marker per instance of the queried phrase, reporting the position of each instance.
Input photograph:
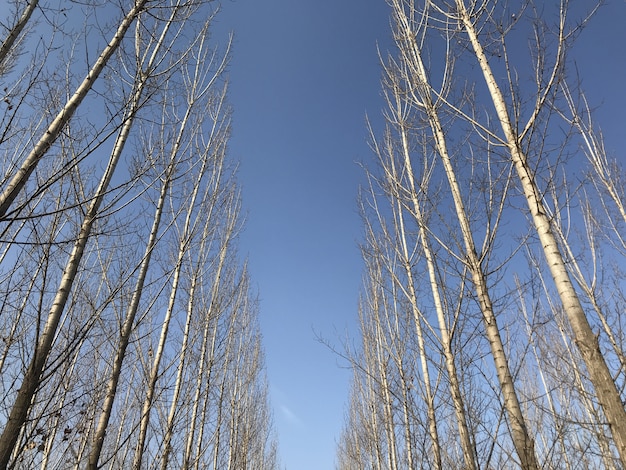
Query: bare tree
(191, 219)
(14, 186)
(13, 35)
(90, 270)
(514, 137)
(198, 91)
(403, 188)
(468, 153)
(411, 26)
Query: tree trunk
(585, 339)
(15, 31)
(422, 90)
(18, 181)
(31, 380)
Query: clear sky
(303, 76)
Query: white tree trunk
(31, 379)
(10, 192)
(14, 33)
(422, 92)
(585, 339)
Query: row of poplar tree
(492, 313)
(130, 336)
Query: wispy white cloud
(290, 416)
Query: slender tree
(92, 256)
(470, 153)
(196, 93)
(586, 340)
(14, 186)
(14, 33)
(423, 95)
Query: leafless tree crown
(129, 327)
(491, 331)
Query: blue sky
(303, 76)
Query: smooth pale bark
(24, 304)
(395, 338)
(200, 448)
(409, 190)
(352, 450)
(586, 341)
(160, 350)
(200, 84)
(15, 31)
(221, 431)
(127, 328)
(417, 319)
(131, 313)
(247, 447)
(155, 368)
(231, 214)
(31, 380)
(10, 192)
(469, 451)
(373, 402)
(406, 415)
(381, 363)
(398, 265)
(236, 452)
(218, 433)
(182, 362)
(207, 353)
(422, 91)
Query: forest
(491, 332)
(130, 335)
